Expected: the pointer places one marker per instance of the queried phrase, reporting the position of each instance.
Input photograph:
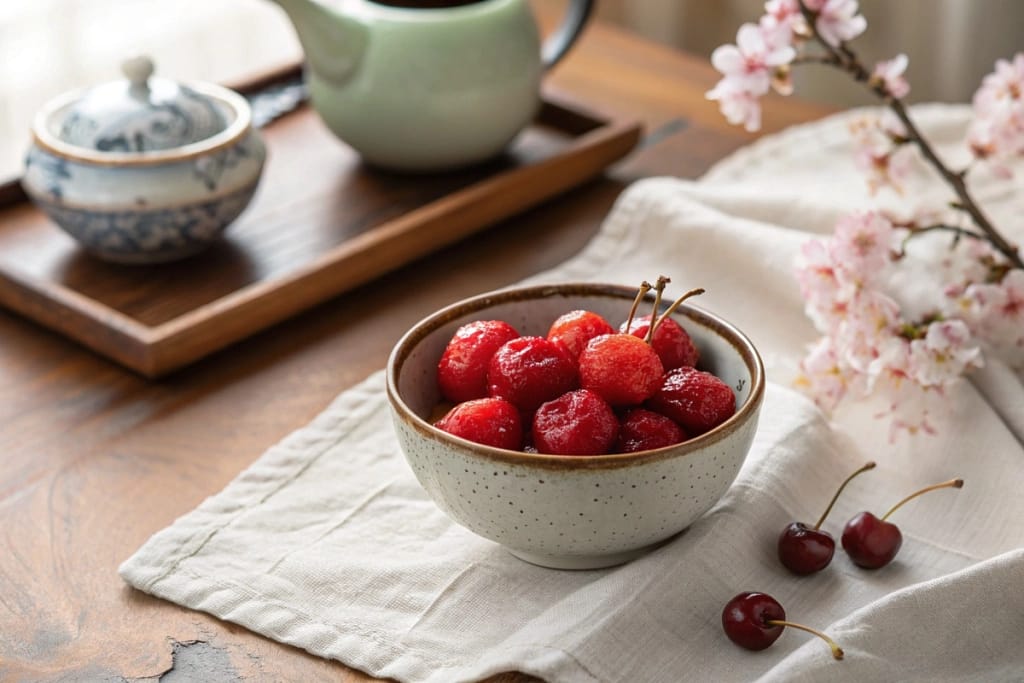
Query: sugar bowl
(144, 169)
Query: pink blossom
(995, 312)
(890, 368)
(889, 74)
(782, 11)
(838, 20)
(785, 14)
(873, 318)
(891, 125)
(816, 274)
(748, 64)
(997, 129)
(738, 106)
(824, 379)
(861, 247)
(910, 406)
(946, 352)
(964, 263)
(880, 152)
(747, 71)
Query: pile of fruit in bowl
(585, 388)
(579, 425)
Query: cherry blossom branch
(938, 227)
(844, 58)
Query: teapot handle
(562, 39)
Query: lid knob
(138, 70)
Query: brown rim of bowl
(446, 315)
(235, 131)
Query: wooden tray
(321, 223)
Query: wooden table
(96, 459)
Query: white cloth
(327, 542)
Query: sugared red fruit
(577, 423)
(642, 430)
(576, 328)
(620, 368)
(670, 341)
(487, 421)
(697, 400)
(462, 370)
(529, 371)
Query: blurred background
(49, 46)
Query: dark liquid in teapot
(425, 4)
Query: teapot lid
(141, 113)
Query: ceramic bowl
(570, 512)
(131, 202)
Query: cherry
(697, 400)
(755, 620)
(462, 370)
(669, 340)
(577, 423)
(528, 371)
(576, 328)
(805, 550)
(488, 421)
(642, 430)
(624, 370)
(872, 542)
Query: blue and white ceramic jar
(144, 170)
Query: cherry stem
(951, 484)
(659, 287)
(671, 309)
(865, 468)
(837, 651)
(645, 287)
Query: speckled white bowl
(570, 512)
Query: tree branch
(844, 58)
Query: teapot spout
(332, 41)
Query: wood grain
(96, 459)
(322, 223)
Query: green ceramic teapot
(425, 86)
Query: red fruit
(576, 423)
(871, 542)
(529, 371)
(576, 328)
(755, 620)
(621, 368)
(804, 550)
(747, 618)
(642, 430)
(487, 421)
(462, 370)
(697, 400)
(670, 341)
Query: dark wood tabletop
(95, 459)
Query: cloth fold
(328, 543)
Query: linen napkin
(328, 543)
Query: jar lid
(141, 113)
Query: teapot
(430, 85)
